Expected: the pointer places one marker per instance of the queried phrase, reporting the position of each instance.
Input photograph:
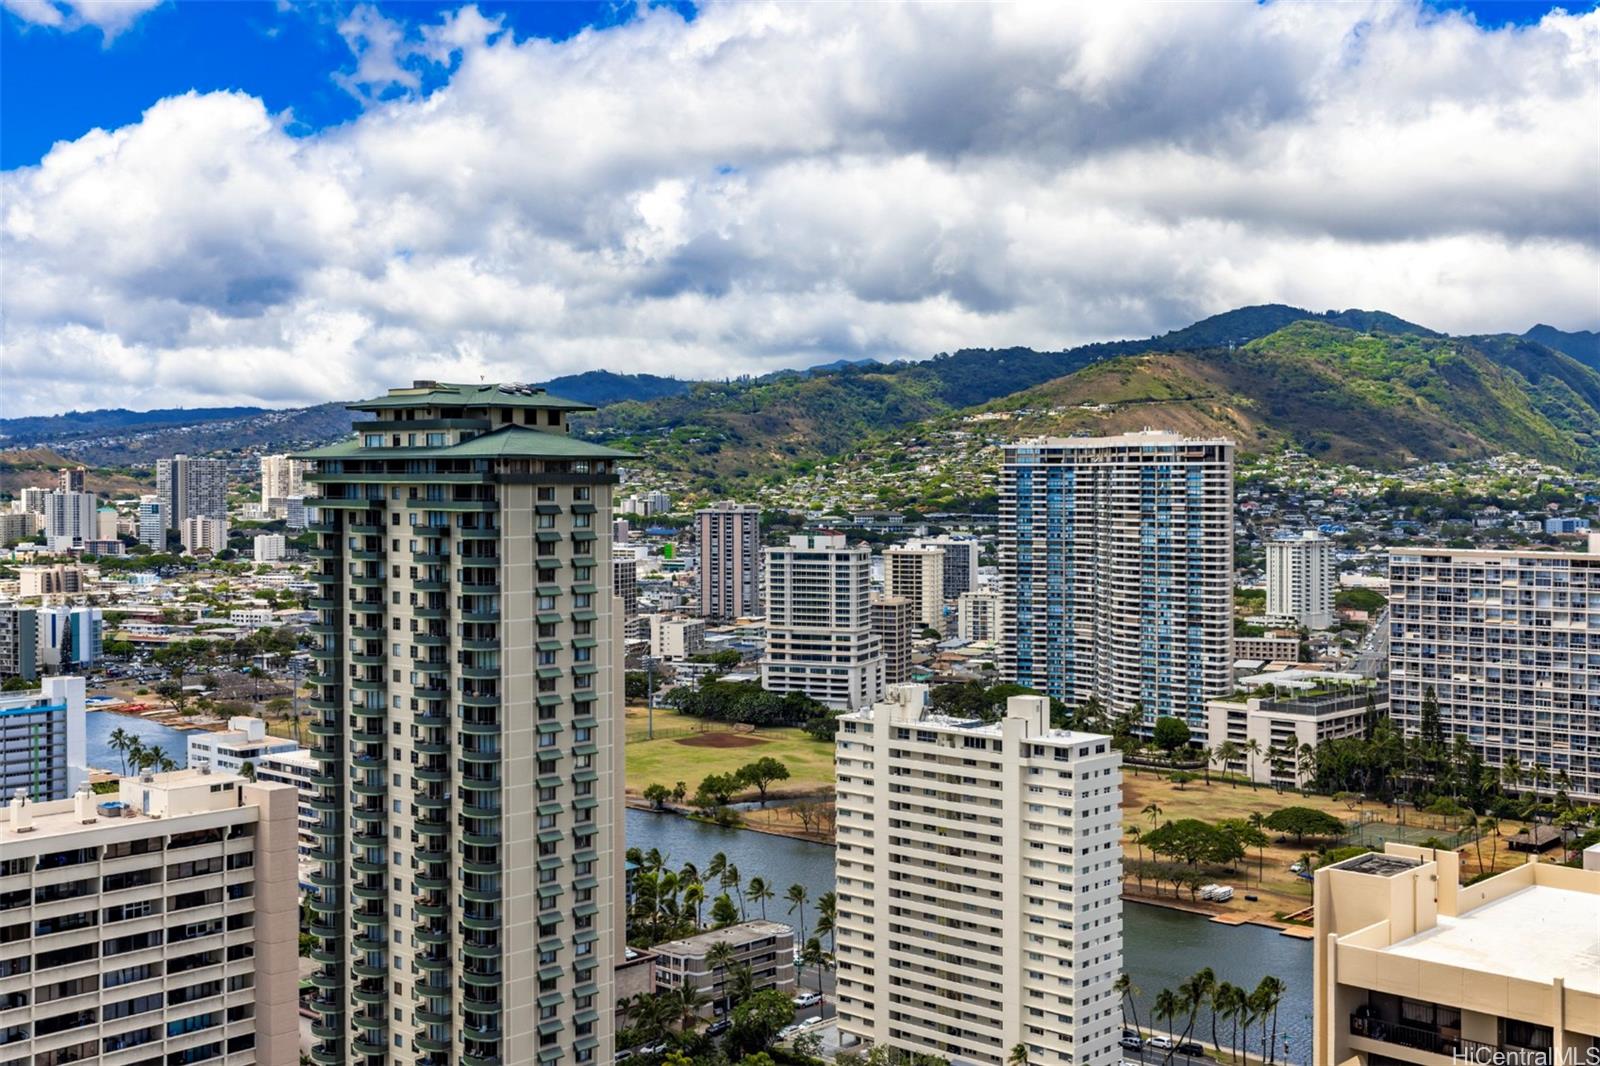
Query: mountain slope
(1374, 399)
(602, 387)
(1582, 345)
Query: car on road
(1189, 1048)
(789, 1032)
(1158, 1043)
(1132, 1042)
(718, 1027)
(807, 999)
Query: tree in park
(716, 790)
(1304, 822)
(762, 773)
(658, 795)
(1170, 735)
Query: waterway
(1161, 947)
(99, 725)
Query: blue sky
(293, 203)
(59, 85)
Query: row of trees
(744, 703)
(135, 756)
(1226, 1003)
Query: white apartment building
(767, 948)
(979, 875)
(276, 759)
(1300, 580)
(729, 536)
(281, 478)
(917, 574)
(978, 616)
(270, 547)
(676, 638)
(153, 523)
(1116, 564)
(159, 928)
(294, 512)
(43, 740)
(1509, 643)
(33, 500)
(70, 518)
(819, 622)
(204, 534)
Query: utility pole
(650, 697)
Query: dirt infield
(721, 740)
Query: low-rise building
(270, 758)
(253, 617)
(58, 580)
(766, 947)
(1276, 646)
(69, 638)
(676, 638)
(269, 547)
(201, 534)
(165, 921)
(43, 746)
(1413, 967)
(1281, 725)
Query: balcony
(1420, 1038)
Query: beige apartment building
(468, 707)
(978, 615)
(894, 626)
(160, 928)
(729, 536)
(1413, 968)
(57, 580)
(978, 874)
(917, 574)
(766, 947)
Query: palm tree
(731, 879)
(1268, 994)
(1138, 841)
(828, 919)
(760, 892)
(1167, 1007)
(1124, 987)
(1226, 754)
(797, 897)
(1307, 765)
(1224, 1007)
(1258, 822)
(1492, 827)
(1018, 1056)
(135, 752)
(813, 956)
(1511, 773)
(686, 1002)
(119, 743)
(1206, 756)
(1198, 990)
(714, 868)
(694, 895)
(1152, 811)
(1253, 750)
(720, 957)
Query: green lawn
(668, 759)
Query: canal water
(1161, 948)
(99, 725)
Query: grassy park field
(1266, 874)
(687, 749)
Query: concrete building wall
(819, 622)
(729, 541)
(1300, 580)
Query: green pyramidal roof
(517, 441)
(444, 394)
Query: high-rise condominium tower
(75, 479)
(730, 560)
(282, 476)
(918, 575)
(1116, 562)
(69, 516)
(1509, 642)
(469, 706)
(960, 562)
(894, 626)
(1300, 580)
(979, 882)
(819, 622)
(191, 488)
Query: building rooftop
(1564, 924)
(517, 441)
(1378, 864)
(444, 394)
(175, 794)
(743, 932)
(1138, 438)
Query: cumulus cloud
(110, 17)
(777, 184)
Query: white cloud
(110, 17)
(778, 184)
